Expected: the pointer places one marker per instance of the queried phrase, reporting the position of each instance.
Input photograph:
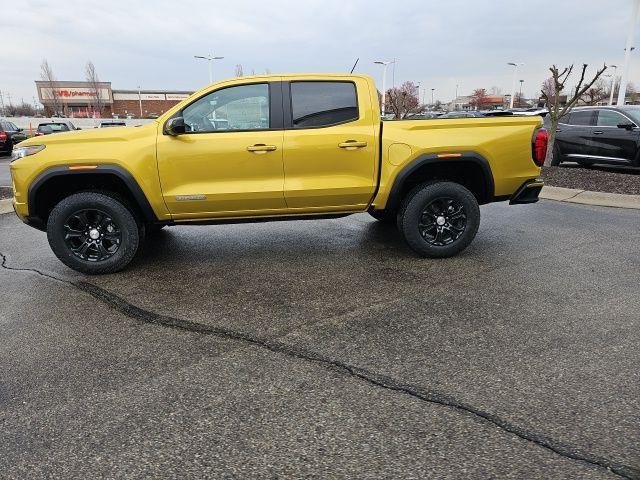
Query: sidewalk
(586, 197)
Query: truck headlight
(21, 152)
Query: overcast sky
(439, 43)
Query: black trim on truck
(121, 173)
(528, 192)
(395, 198)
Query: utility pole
(513, 83)
(622, 92)
(613, 82)
(385, 64)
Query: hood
(91, 135)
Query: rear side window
(581, 117)
(609, 118)
(321, 104)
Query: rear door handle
(598, 132)
(261, 148)
(352, 144)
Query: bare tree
(403, 101)
(478, 98)
(46, 73)
(556, 111)
(95, 88)
(596, 93)
(239, 72)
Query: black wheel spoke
(92, 235)
(443, 221)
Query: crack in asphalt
(146, 316)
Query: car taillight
(539, 146)
(3, 136)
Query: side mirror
(174, 126)
(20, 129)
(627, 126)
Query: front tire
(439, 219)
(93, 233)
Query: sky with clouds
(439, 43)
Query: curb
(6, 206)
(586, 197)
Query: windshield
(633, 112)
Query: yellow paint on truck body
(208, 176)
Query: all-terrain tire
(439, 219)
(93, 233)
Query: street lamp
(140, 100)
(385, 64)
(520, 99)
(613, 82)
(513, 83)
(432, 90)
(210, 58)
(622, 90)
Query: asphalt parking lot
(5, 176)
(327, 349)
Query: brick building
(80, 99)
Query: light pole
(418, 91)
(613, 82)
(210, 58)
(520, 99)
(432, 90)
(513, 83)
(385, 64)
(140, 100)
(622, 91)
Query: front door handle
(352, 144)
(598, 132)
(261, 148)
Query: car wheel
(557, 158)
(93, 233)
(384, 216)
(439, 219)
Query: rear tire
(439, 219)
(93, 233)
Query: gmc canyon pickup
(272, 148)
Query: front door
(612, 143)
(229, 161)
(329, 146)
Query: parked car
(47, 128)
(322, 153)
(10, 134)
(590, 135)
(113, 123)
(529, 112)
(462, 114)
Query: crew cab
(272, 148)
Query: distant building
(78, 99)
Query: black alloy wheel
(92, 235)
(443, 221)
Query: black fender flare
(394, 200)
(121, 173)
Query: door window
(581, 117)
(322, 104)
(244, 107)
(609, 118)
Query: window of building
(321, 104)
(245, 107)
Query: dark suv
(9, 136)
(589, 135)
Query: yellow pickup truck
(272, 148)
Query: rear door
(574, 133)
(610, 142)
(329, 145)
